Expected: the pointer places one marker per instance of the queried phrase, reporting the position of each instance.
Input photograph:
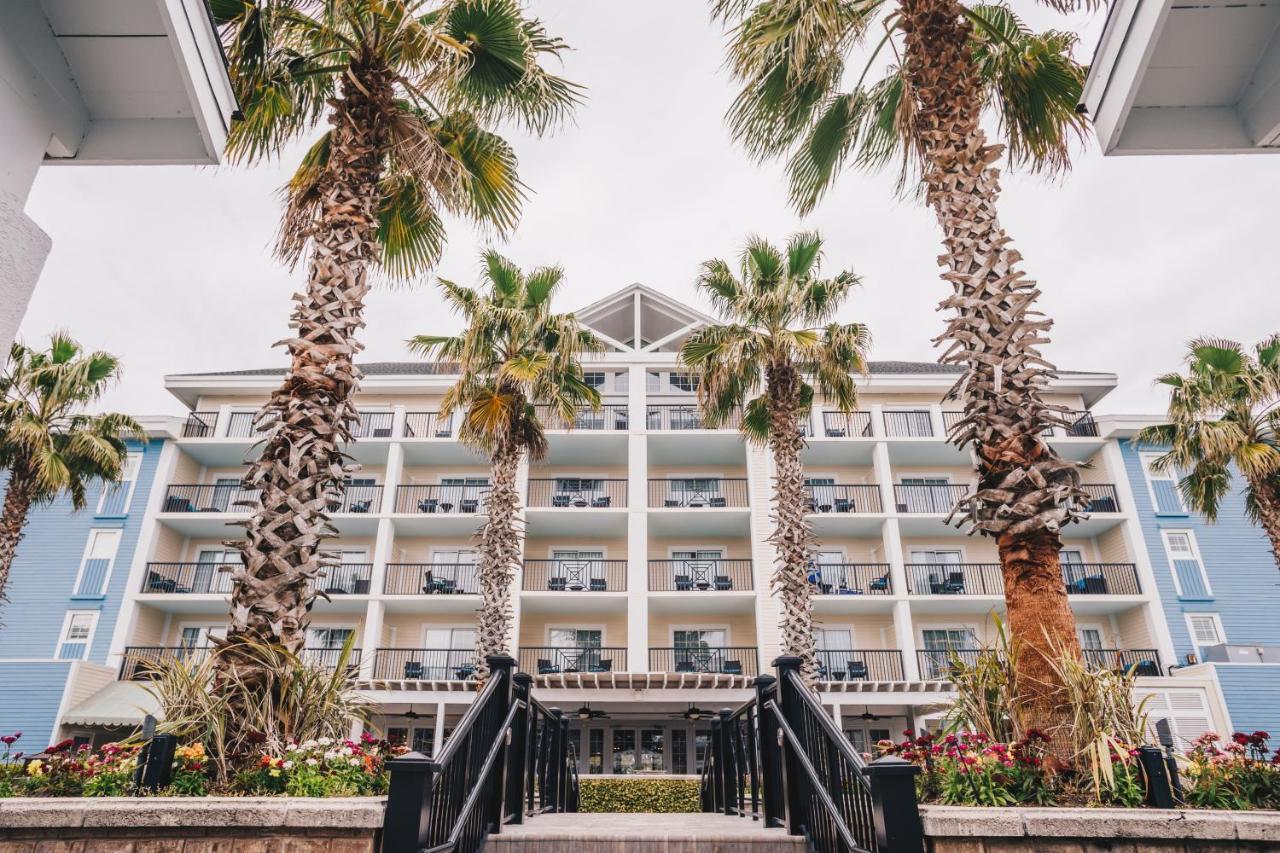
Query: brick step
(642, 833)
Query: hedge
(631, 794)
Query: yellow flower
(35, 768)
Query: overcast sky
(171, 269)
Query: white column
(935, 419)
(905, 636)
(877, 420)
(223, 422)
(397, 421)
(26, 247)
(372, 637)
(438, 740)
(637, 522)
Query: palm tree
(408, 90)
(951, 64)
(513, 356)
(779, 345)
(1225, 412)
(48, 444)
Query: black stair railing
(782, 759)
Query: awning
(120, 703)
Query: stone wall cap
(347, 812)
(1200, 824)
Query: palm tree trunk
(792, 535)
(17, 503)
(499, 555)
(300, 471)
(1266, 507)
(1025, 491)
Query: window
(1189, 577)
(1090, 639)
(576, 638)
(685, 382)
(202, 636)
(1162, 485)
(116, 497)
(939, 646)
(653, 382)
(925, 494)
(700, 638)
(327, 638)
(1206, 629)
(594, 378)
(208, 575)
(622, 381)
(95, 568)
(595, 751)
(77, 633)
(462, 639)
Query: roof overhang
(1178, 77)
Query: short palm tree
(514, 356)
(779, 345)
(407, 91)
(951, 64)
(48, 444)
(1224, 413)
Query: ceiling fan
(585, 713)
(693, 713)
(867, 716)
(412, 714)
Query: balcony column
(877, 420)
(936, 421)
(223, 423)
(905, 636)
(437, 740)
(398, 416)
(371, 636)
(637, 525)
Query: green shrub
(631, 794)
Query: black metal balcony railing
(359, 500)
(908, 424)
(610, 417)
(698, 492)
(577, 493)
(424, 664)
(328, 658)
(681, 416)
(240, 425)
(575, 575)
(954, 579)
(1102, 497)
(431, 579)
(427, 425)
(142, 662)
(199, 424)
(373, 425)
(1079, 424)
(219, 498)
(1101, 579)
(950, 420)
(441, 500)
(928, 497)
(553, 660)
(938, 663)
(713, 574)
(344, 579)
(725, 660)
(850, 579)
(860, 665)
(188, 578)
(846, 424)
(844, 498)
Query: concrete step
(642, 833)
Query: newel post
(895, 809)
(730, 781)
(772, 781)
(555, 759)
(788, 669)
(518, 751)
(503, 667)
(408, 815)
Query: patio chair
(857, 670)
(1146, 668)
(822, 671)
(731, 667)
(601, 503)
(955, 583)
(428, 505)
(598, 585)
(361, 587)
(361, 506)
(605, 665)
(412, 670)
(685, 666)
(468, 505)
(936, 585)
(723, 582)
(844, 505)
(334, 590)
(835, 432)
(545, 667)
(845, 589)
(559, 501)
(683, 583)
(159, 584)
(465, 671)
(719, 502)
(880, 584)
(176, 504)
(671, 503)
(557, 584)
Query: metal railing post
(562, 762)
(728, 769)
(717, 761)
(797, 781)
(895, 810)
(408, 814)
(504, 667)
(518, 750)
(555, 760)
(772, 781)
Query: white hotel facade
(643, 602)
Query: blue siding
(29, 701)
(1253, 697)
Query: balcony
(358, 500)
(575, 575)
(441, 500)
(1101, 579)
(344, 579)
(916, 423)
(846, 425)
(1102, 497)
(577, 493)
(712, 575)
(142, 662)
(218, 498)
(698, 493)
(240, 425)
(860, 665)
(431, 579)
(373, 425)
(610, 417)
(721, 660)
(938, 498)
(187, 578)
(937, 664)
(199, 424)
(665, 417)
(424, 664)
(844, 499)
(427, 425)
(954, 579)
(547, 660)
(850, 579)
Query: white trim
(132, 457)
(1145, 458)
(1215, 617)
(88, 641)
(1195, 553)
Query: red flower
(61, 746)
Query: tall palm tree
(48, 444)
(408, 90)
(778, 345)
(947, 64)
(1224, 412)
(514, 355)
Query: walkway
(642, 833)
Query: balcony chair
(685, 666)
(683, 583)
(559, 501)
(428, 505)
(360, 506)
(176, 504)
(360, 587)
(465, 671)
(1105, 503)
(955, 583)
(857, 671)
(731, 667)
(601, 503)
(1092, 585)
(719, 502)
(598, 585)
(334, 590)
(880, 584)
(723, 582)
(159, 584)
(1146, 668)
(413, 670)
(843, 505)
(382, 432)
(845, 589)
(557, 584)
(446, 506)
(835, 432)
(811, 505)
(671, 503)
(469, 505)
(545, 667)
(605, 665)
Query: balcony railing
(1080, 424)
(240, 425)
(574, 575)
(344, 579)
(549, 660)
(950, 420)
(427, 425)
(930, 497)
(682, 416)
(846, 424)
(199, 424)
(142, 662)
(188, 578)
(577, 493)
(860, 665)
(1102, 497)
(850, 579)
(698, 492)
(843, 498)
(373, 425)
(908, 424)
(359, 500)
(938, 664)
(610, 417)
(706, 575)
(431, 579)
(424, 664)
(954, 579)
(1101, 578)
(725, 660)
(441, 500)
(223, 498)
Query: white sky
(170, 267)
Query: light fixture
(411, 714)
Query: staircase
(643, 833)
